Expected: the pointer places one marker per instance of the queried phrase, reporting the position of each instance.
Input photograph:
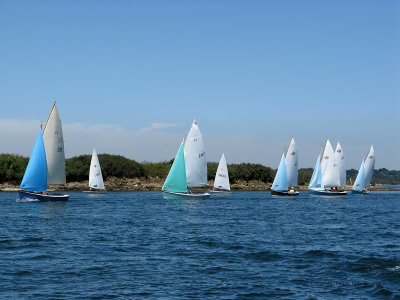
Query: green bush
(12, 168)
(77, 168)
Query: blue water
(242, 245)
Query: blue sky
(129, 77)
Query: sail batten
(222, 177)
(195, 158)
(95, 175)
(54, 147)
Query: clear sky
(129, 77)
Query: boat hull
(284, 193)
(94, 191)
(172, 195)
(220, 191)
(25, 195)
(364, 192)
(328, 193)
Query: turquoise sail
(316, 179)
(359, 184)
(280, 183)
(35, 177)
(176, 180)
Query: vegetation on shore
(12, 168)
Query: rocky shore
(155, 184)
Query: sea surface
(241, 245)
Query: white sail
(339, 157)
(329, 167)
(54, 146)
(95, 176)
(222, 178)
(369, 165)
(291, 159)
(195, 158)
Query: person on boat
(189, 191)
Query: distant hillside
(12, 168)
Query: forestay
(221, 177)
(95, 175)
(54, 146)
(195, 158)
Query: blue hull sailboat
(34, 184)
(280, 186)
(175, 186)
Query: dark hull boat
(284, 193)
(328, 193)
(364, 192)
(37, 196)
(46, 164)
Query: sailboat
(364, 175)
(195, 158)
(286, 177)
(280, 186)
(46, 164)
(175, 186)
(221, 182)
(96, 183)
(326, 176)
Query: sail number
(221, 175)
(202, 154)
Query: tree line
(12, 169)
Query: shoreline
(114, 184)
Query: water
(243, 245)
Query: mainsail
(95, 175)
(329, 167)
(369, 165)
(339, 158)
(221, 177)
(195, 158)
(54, 146)
(291, 158)
(280, 183)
